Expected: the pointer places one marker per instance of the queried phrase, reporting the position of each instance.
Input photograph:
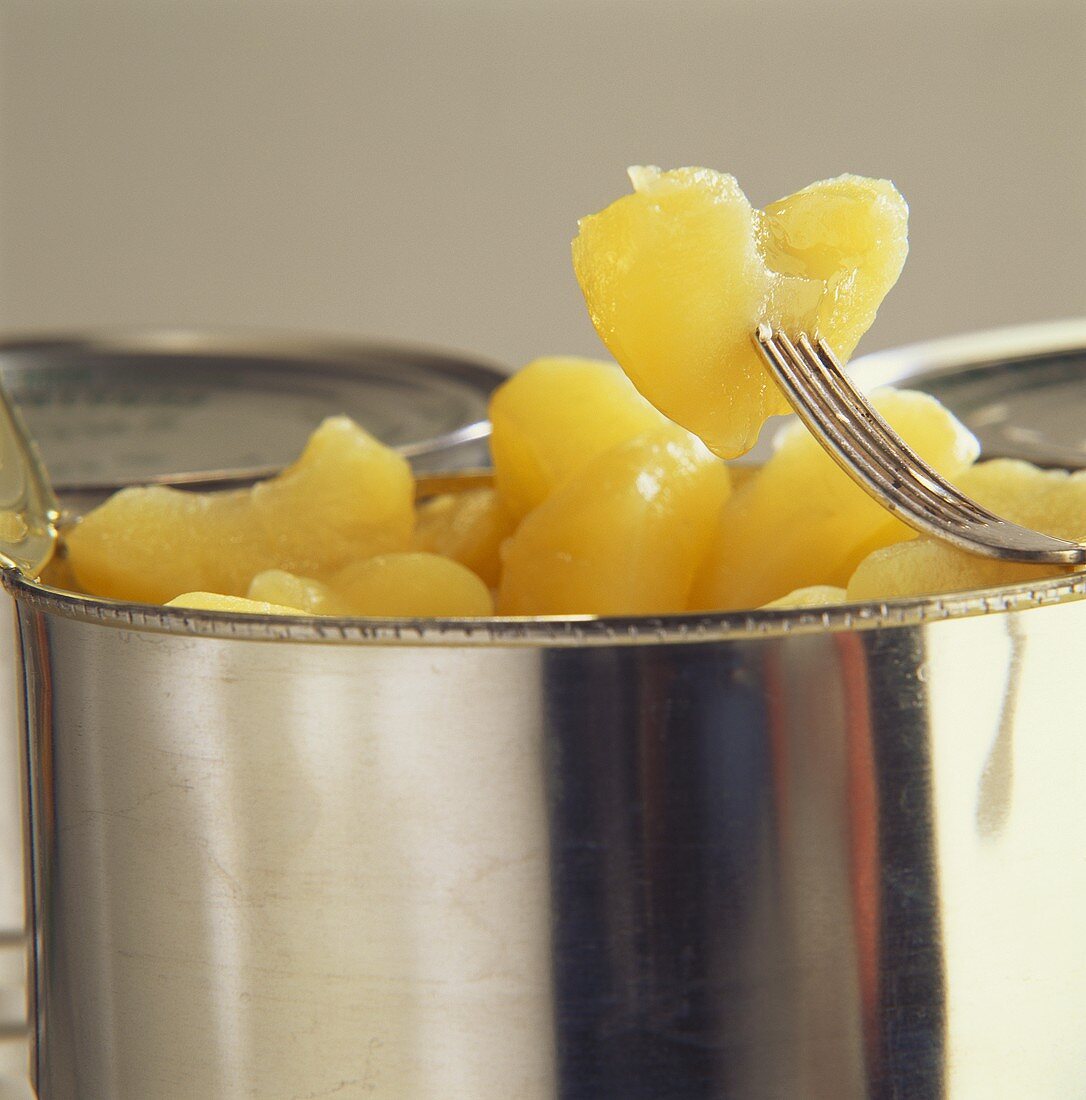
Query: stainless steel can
(114, 408)
(831, 855)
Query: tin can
(834, 854)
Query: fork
(880, 461)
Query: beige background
(415, 169)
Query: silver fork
(879, 460)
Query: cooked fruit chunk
(346, 497)
(468, 527)
(815, 595)
(307, 595)
(678, 275)
(401, 586)
(212, 601)
(553, 417)
(1047, 500)
(802, 521)
(624, 537)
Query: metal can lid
(1022, 391)
(114, 409)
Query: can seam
(546, 632)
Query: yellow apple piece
(310, 597)
(467, 526)
(554, 416)
(346, 497)
(402, 586)
(1052, 501)
(802, 521)
(623, 537)
(239, 605)
(678, 276)
(815, 595)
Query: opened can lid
(1022, 391)
(115, 409)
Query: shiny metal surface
(786, 854)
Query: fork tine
(923, 481)
(869, 450)
(881, 469)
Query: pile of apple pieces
(610, 499)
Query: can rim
(548, 631)
(930, 360)
(261, 342)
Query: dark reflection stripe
(911, 1017)
(654, 849)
